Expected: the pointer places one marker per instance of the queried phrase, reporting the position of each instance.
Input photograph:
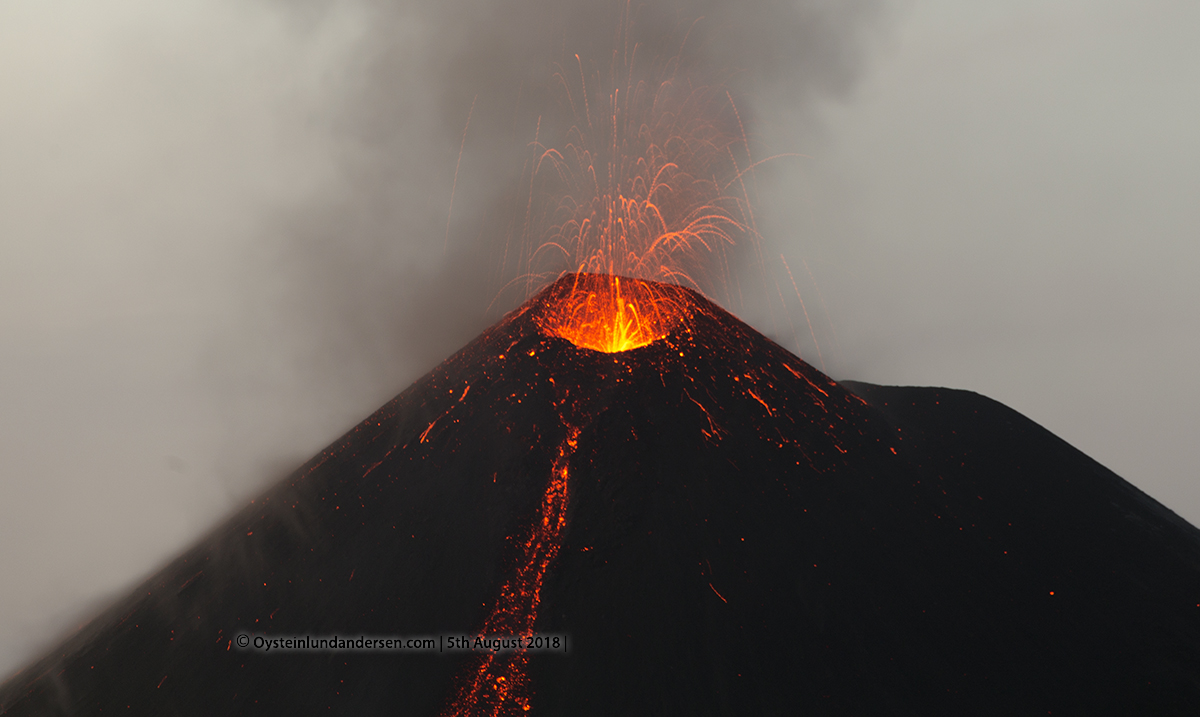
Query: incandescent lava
(609, 313)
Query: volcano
(711, 525)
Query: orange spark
(637, 191)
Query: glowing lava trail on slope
(499, 681)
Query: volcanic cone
(713, 526)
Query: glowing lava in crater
(608, 313)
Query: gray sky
(222, 227)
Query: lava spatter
(609, 313)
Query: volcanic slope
(718, 528)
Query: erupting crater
(608, 313)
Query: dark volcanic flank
(730, 532)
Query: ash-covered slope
(742, 536)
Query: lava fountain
(638, 191)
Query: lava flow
(595, 312)
(497, 680)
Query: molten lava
(499, 682)
(603, 313)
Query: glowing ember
(639, 194)
(658, 214)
